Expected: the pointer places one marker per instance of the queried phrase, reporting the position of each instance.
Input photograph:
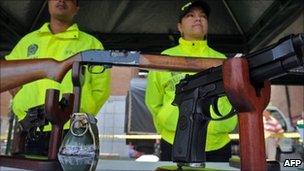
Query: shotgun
(15, 73)
(196, 93)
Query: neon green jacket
(43, 44)
(160, 93)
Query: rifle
(15, 73)
(195, 94)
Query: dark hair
(187, 7)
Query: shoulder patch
(32, 49)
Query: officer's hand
(271, 124)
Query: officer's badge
(32, 49)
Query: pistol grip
(190, 138)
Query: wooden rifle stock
(176, 63)
(15, 73)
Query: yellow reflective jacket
(160, 93)
(43, 44)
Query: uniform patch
(32, 49)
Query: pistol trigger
(215, 106)
(203, 108)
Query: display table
(122, 165)
(133, 165)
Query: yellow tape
(232, 136)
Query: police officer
(58, 39)
(160, 92)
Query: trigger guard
(104, 67)
(229, 115)
(205, 107)
(217, 112)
